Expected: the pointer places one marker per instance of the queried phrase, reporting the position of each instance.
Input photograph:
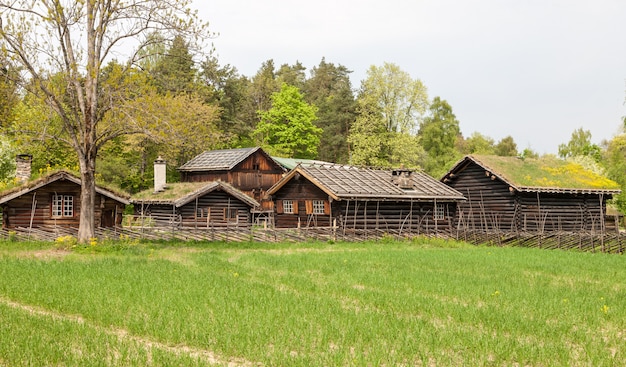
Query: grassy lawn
(426, 302)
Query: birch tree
(61, 47)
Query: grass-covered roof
(548, 172)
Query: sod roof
(545, 174)
(181, 193)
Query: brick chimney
(23, 167)
(159, 174)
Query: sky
(533, 69)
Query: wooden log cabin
(54, 201)
(511, 194)
(250, 170)
(351, 198)
(194, 205)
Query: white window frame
(62, 206)
(318, 207)
(439, 212)
(288, 207)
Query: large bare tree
(62, 45)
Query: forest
(175, 100)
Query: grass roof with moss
(172, 192)
(545, 172)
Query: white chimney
(23, 167)
(159, 174)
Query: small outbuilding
(355, 198)
(194, 204)
(513, 194)
(53, 200)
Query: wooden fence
(613, 242)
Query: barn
(194, 205)
(54, 201)
(250, 170)
(512, 194)
(354, 198)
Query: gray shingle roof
(218, 160)
(347, 182)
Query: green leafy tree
(438, 133)
(614, 160)
(401, 100)
(174, 72)
(263, 85)
(292, 74)
(389, 106)
(477, 143)
(330, 90)
(64, 68)
(8, 152)
(580, 144)
(230, 91)
(8, 93)
(506, 147)
(287, 128)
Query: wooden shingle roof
(222, 160)
(547, 174)
(217, 160)
(348, 182)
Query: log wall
(492, 206)
(216, 209)
(253, 176)
(35, 208)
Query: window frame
(439, 212)
(318, 207)
(62, 206)
(288, 207)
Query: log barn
(194, 204)
(512, 194)
(54, 201)
(354, 198)
(250, 170)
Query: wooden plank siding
(216, 209)
(253, 176)
(493, 205)
(34, 209)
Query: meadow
(387, 303)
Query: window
(288, 207)
(230, 214)
(440, 212)
(62, 206)
(318, 207)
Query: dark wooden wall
(379, 214)
(253, 176)
(492, 206)
(210, 210)
(17, 212)
(300, 190)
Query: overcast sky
(533, 69)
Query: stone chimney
(402, 178)
(23, 167)
(159, 174)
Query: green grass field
(426, 302)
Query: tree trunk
(86, 228)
